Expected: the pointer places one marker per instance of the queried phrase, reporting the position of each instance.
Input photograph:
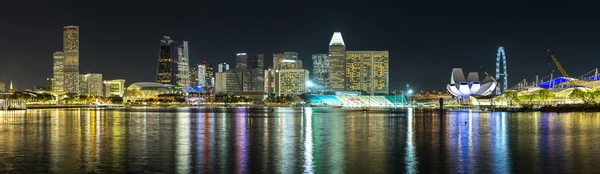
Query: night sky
(426, 39)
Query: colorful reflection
(296, 140)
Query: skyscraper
(257, 74)
(49, 83)
(368, 71)
(337, 62)
(71, 59)
(227, 81)
(194, 75)
(321, 70)
(173, 63)
(209, 74)
(269, 83)
(291, 81)
(114, 88)
(201, 75)
(91, 84)
(58, 82)
(223, 67)
(183, 65)
(286, 60)
(241, 61)
(2, 87)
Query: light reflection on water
(294, 140)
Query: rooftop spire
(11, 88)
(337, 39)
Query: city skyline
(439, 41)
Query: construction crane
(558, 65)
(488, 75)
(561, 69)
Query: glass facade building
(337, 63)
(71, 59)
(91, 84)
(227, 82)
(320, 72)
(257, 73)
(201, 75)
(183, 65)
(367, 71)
(58, 82)
(209, 75)
(286, 60)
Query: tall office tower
(114, 88)
(49, 82)
(241, 61)
(286, 60)
(321, 70)
(2, 86)
(291, 81)
(173, 63)
(269, 81)
(58, 84)
(367, 71)
(91, 84)
(241, 66)
(183, 65)
(71, 59)
(223, 67)
(337, 62)
(194, 75)
(201, 75)
(227, 81)
(209, 75)
(257, 74)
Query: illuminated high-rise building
(337, 62)
(183, 65)
(209, 75)
(227, 81)
(223, 67)
(91, 84)
(71, 59)
(269, 84)
(367, 71)
(201, 75)
(321, 70)
(2, 86)
(291, 81)
(173, 63)
(167, 62)
(58, 82)
(241, 61)
(194, 75)
(113, 88)
(286, 60)
(49, 82)
(257, 73)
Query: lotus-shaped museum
(464, 87)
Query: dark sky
(426, 39)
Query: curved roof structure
(464, 87)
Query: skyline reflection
(296, 140)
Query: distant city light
(241, 54)
(410, 91)
(309, 83)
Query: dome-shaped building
(464, 87)
(144, 91)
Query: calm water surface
(294, 140)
